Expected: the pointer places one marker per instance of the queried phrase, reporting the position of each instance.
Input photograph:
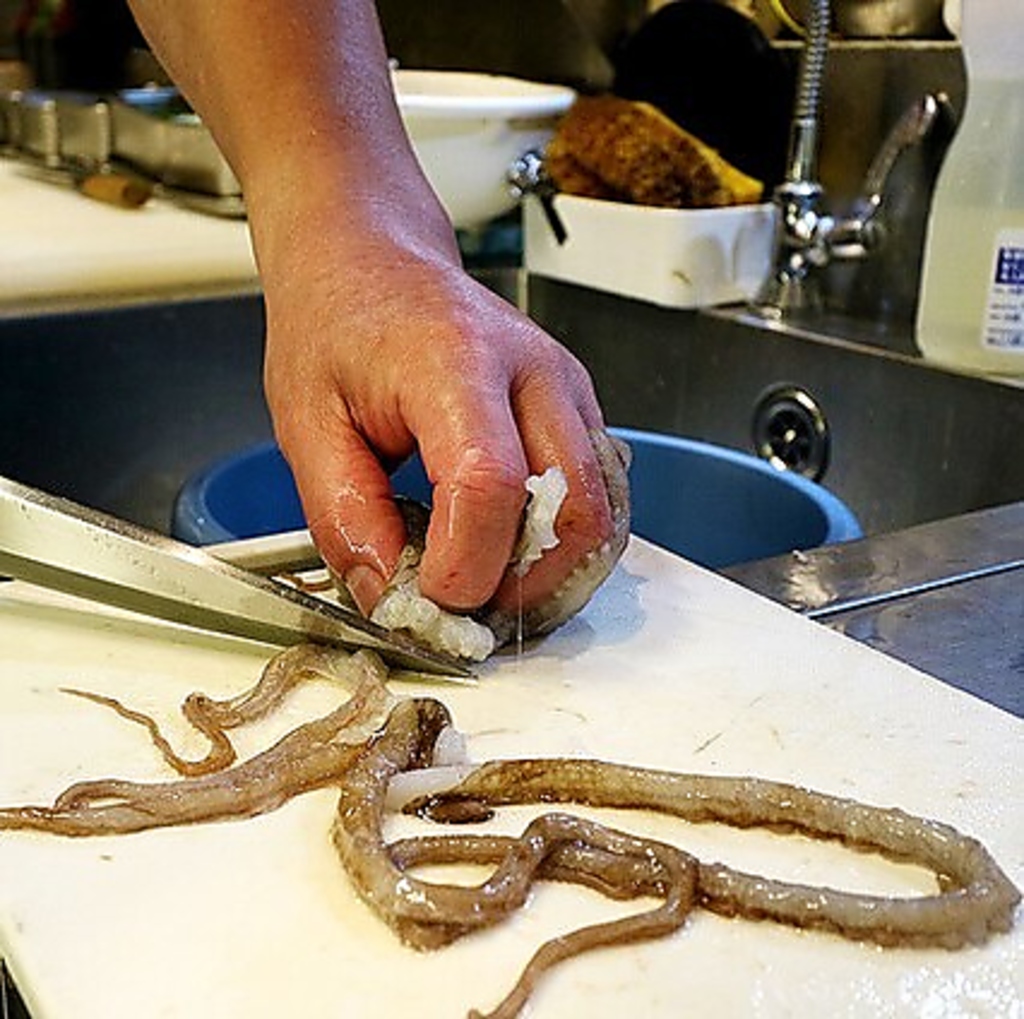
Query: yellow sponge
(612, 148)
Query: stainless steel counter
(946, 597)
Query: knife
(58, 544)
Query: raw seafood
(402, 607)
(314, 755)
(976, 897)
(371, 738)
(614, 456)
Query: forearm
(297, 95)
(378, 344)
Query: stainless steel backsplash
(868, 85)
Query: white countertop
(57, 246)
(670, 666)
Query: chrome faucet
(807, 236)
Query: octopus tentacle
(311, 756)
(428, 915)
(370, 739)
(220, 755)
(976, 897)
(213, 717)
(601, 870)
(674, 875)
(583, 852)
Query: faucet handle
(855, 235)
(911, 129)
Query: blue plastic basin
(710, 504)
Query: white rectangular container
(683, 258)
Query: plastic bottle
(971, 308)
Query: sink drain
(791, 433)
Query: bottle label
(1004, 313)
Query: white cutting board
(669, 666)
(58, 245)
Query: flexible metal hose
(804, 139)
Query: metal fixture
(800, 227)
(527, 176)
(859, 233)
(140, 136)
(808, 237)
(790, 432)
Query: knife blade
(58, 544)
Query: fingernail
(365, 585)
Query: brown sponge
(612, 148)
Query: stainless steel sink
(900, 441)
(115, 407)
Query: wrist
(320, 211)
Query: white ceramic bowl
(468, 129)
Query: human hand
(377, 342)
(377, 346)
